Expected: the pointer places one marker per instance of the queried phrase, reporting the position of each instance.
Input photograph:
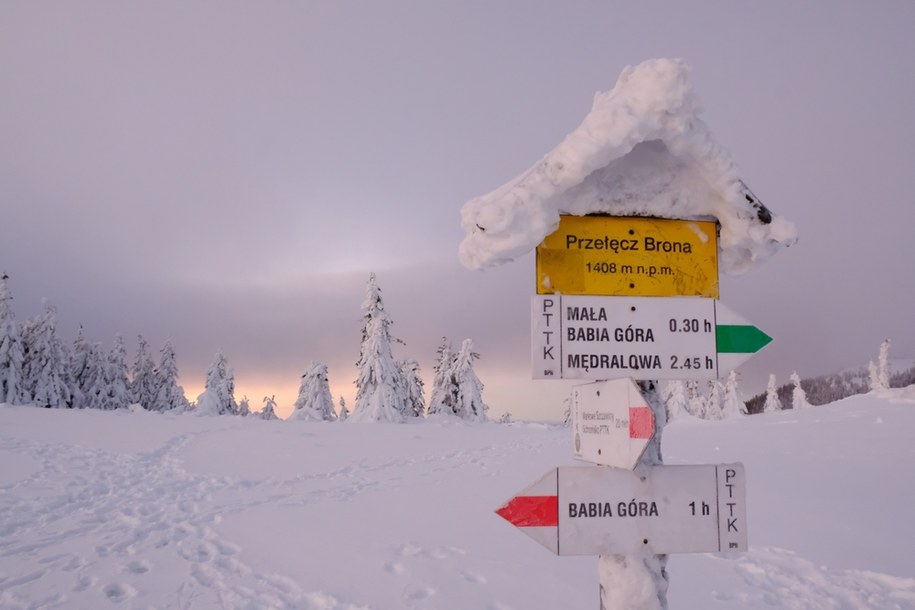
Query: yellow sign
(629, 256)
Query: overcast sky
(227, 174)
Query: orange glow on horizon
(284, 394)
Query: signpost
(646, 511)
(596, 316)
(593, 337)
(629, 256)
(612, 423)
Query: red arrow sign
(531, 511)
(653, 510)
(536, 510)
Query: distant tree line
(825, 389)
(37, 368)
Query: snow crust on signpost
(641, 151)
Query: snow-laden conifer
(218, 397)
(732, 405)
(444, 386)
(773, 403)
(269, 410)
(675, 399)
(380, 395)
(713, 406)
(344, 413)
(44, 361)
(696, 402)
(873, 376)
(92, 385)
(11, 349)
(78, 364)
(798, 395)
(416, 400)
(115, 394)
(314, 402)
(883, 366)
(469, 404)
(169, 395)
(143, 377)
(244, 409)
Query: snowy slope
(137, 510)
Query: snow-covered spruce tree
(444, 386)
(773, 403)
(713, 406)
(11, 351)
(873, 376)
(315, 402)
(78, 363)
(92, 384)
(506, 418)
(115, 394)
(44, 362)
(883, 366)
(218, 397)
(416, 399)
(380, 395)
(244, 409)
(675, 400)
(733, 405)
(798, 396)
(269, 410)
(169, 395)
(696, 403)
(469, 403)
(143, 377)
(344, 413)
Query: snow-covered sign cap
(641, 151)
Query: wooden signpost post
(597, 316)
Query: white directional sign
(651, 510)
(598, 337)
(611, 423)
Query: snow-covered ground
(139, 510)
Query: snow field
(141, 510)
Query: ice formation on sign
(641, 151)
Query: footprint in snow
(137, 567)
(417, 592)
(474, 578)
(118, 592)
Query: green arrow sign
(736, 339)
(610, 337)
(740, 339)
